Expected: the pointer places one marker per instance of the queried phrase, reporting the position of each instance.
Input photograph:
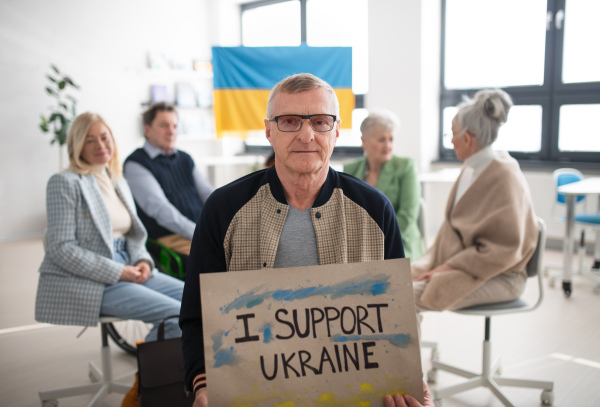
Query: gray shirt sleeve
(150, 197)
(203, 187)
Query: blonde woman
(96, 262)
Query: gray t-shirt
(298, 242)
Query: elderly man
(298, 213)
(168, 188)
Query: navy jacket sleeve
(206, 256)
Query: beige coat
(491, 230)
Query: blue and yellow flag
(244, 76)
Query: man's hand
(202, 399)
(439, 269)
(408, 401)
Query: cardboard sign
(334, 335)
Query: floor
(559, 342)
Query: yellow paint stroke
(358, 395)
(367, 387)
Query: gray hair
(298, 83)
(483, 115)
(380, 119)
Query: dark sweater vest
(174, 174)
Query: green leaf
(61, 85)
(51, 91)
(73, 110)
(44, 128)
(53, 141)
(55, 116)
(64, 106)
(71, 98)
(61, 136)
(70, 82)
(51, 78)
(44, 120)
(55, 69)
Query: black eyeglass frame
(304, 116)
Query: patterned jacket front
(240, 226)
(79, 249)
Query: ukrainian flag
(244, 76)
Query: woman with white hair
(395, 176)
(489, 231)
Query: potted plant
(62, 113)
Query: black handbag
(161, 374)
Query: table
(588, 186)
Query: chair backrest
(422, 223)
(564, 176)
(534, 265)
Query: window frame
(551, 95)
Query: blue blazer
(79, 263)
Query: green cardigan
(398, 181)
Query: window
(316, 23)
(543, 53)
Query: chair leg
(105, 384)
(488, 378)
(493, 386)
(596, 264)
(528, 384)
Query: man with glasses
(299, 212)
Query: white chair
(564, 176)
(489, 376)
(103, 381)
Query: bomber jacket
(239, 230)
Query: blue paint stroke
(226, 357)
(367, 284)
(267, 334)
(217, 339)
(398, 340)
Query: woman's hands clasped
(139, 274)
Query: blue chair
(564, 176)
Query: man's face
(162, 133)
(304, 151)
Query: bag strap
(161, 328)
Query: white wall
(103, 46)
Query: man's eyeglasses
(293, 122)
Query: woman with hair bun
(489, 231)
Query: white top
(121, 219)
(474, 165)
